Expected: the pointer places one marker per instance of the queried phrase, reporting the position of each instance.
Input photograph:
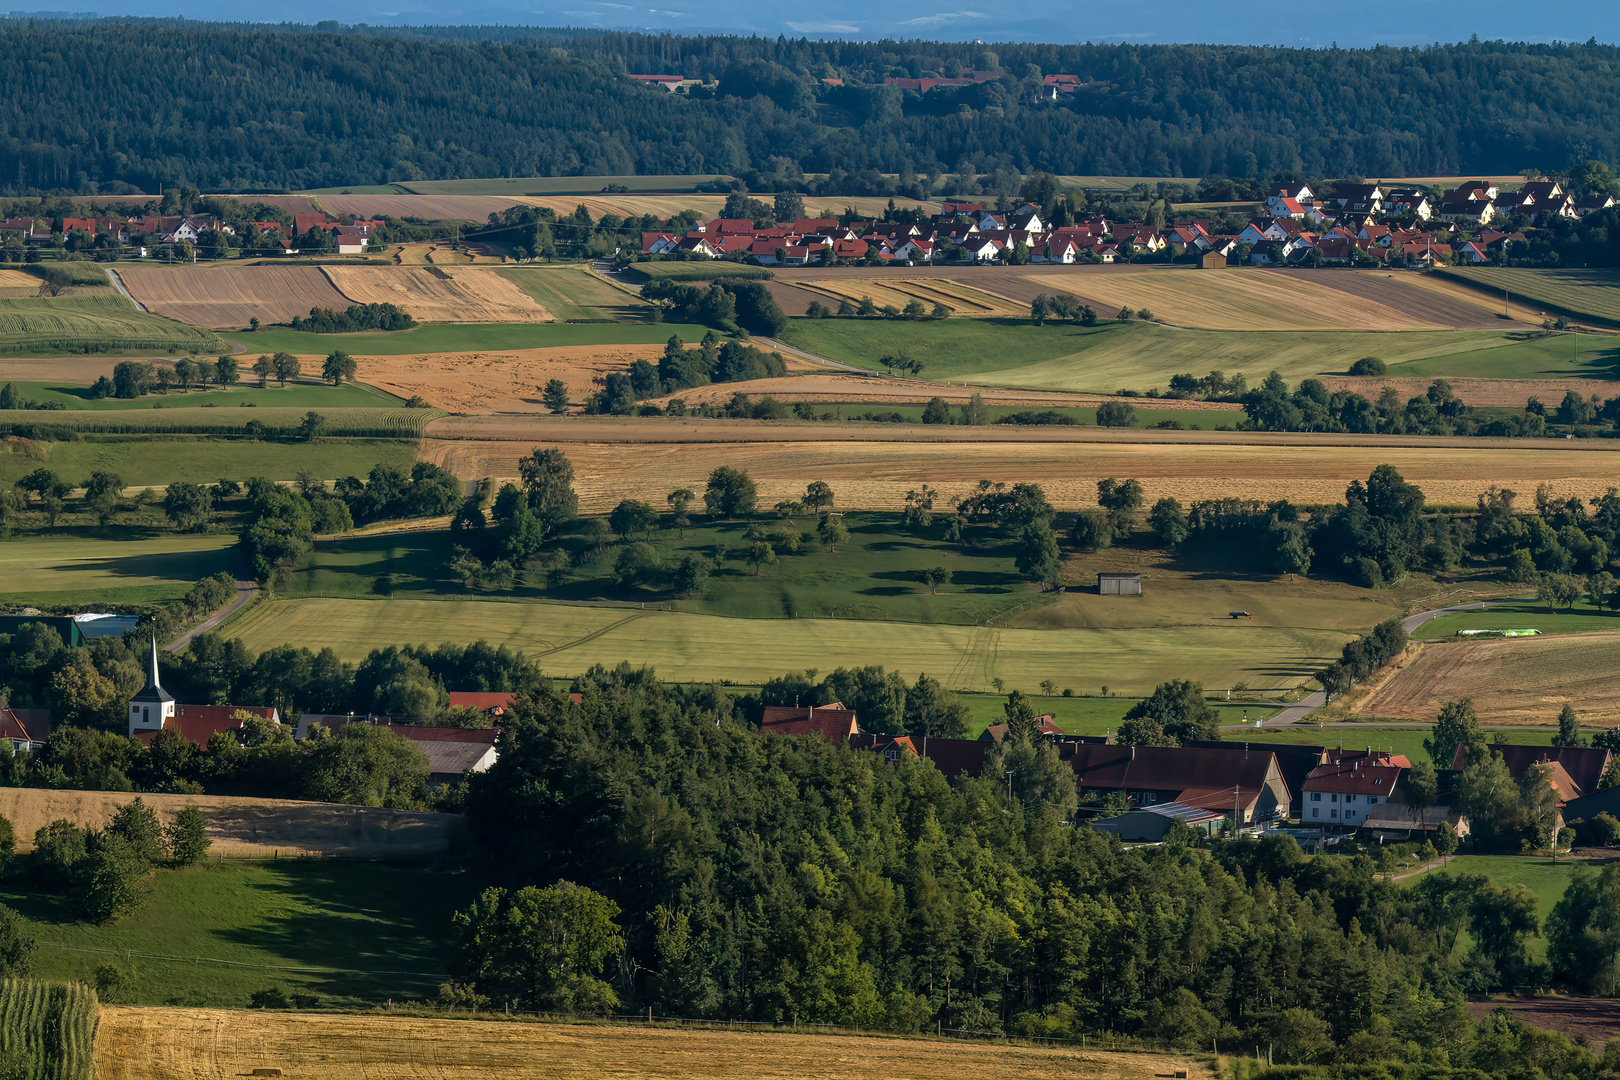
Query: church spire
(152, 672)
(153, 690)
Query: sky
(1251, 22)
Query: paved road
(244, 593)
(118, 283)
(1311, 702)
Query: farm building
(1244, 783)
(1119, 584)
(1043, 725)
(1149, 824)
(833, 721)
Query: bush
(1368, 367)
(272, 998)
(1116, 414)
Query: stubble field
(249, 828)
(228, 296)
(1511, 681)
(873, 466)
(171, 1044)
(437, 294)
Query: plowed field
(228, 296)
(435, 294)
(1511, 681)
(499, 381)
(180, 1044)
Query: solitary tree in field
(338, 366)
(832, 532)
(102, 494)
(934, 577)
(818, 496)
(263, 367)
(679, 501)
(187, 835)
(760, 556)
(555, 395)
(730, 493)
(286, 366)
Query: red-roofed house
(1240, 781)
(1043, 724)
(490, 703)
(1341, 792)
(25, 729)
(831, 721)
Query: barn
(1119, 584)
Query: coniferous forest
(117, 106)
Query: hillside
(414, 107)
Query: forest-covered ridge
(119, 105)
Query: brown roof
(483, 701)
(1169, 768)
(1584, 765)
(1354, 777)
(834, 723)
(25, 725)
(1043, 724)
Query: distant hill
(131, 104)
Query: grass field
(683, 646)
(297, 395)
(1575, 291)
(174, 1044)
(161, 460)
(1141, 356)
(1087, 715)
(93, 324)
(1511, 680)
(1547, 878)
(570, 293)
(78, 566)
(1399, 740)
(174, 416)
(679, 270)
(1530, 615)
(251, 828)
(469, 337)
(215, 933)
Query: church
(154, 709)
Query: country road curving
(244, 593)
(1311, 702)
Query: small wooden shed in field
(1119, 584)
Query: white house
(1346, 790)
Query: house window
(1315, 812)
(1335, 796)
(892, 755)
(1349, 798)
(146, 714)
(1371, 799)
(1316, 796)
(1334, 814)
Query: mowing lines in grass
(93, 324)
(683, 646)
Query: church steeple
(153, 707)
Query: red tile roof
(832, 721)
(25, 725)
(199, 723)
(483, 701)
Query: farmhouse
(832, 721)
(1341, 792)
(1043, 726)
(25, 729)
(1241, 783)
(1119, 584)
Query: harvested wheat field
(16, 279)
(439, 294)
(818, 385)
(961, 298)
(228, 296)
(1236, 300)
(508, 381)
(249, 828)
(171, 1044)
(873, 469)
(1512, 681)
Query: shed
(1211, 260)
(1119, 584)
(72, 634)
(1149, 825)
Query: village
(1367, 224)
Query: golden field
(1511, 681)
(248, 828)
(182, 1044)
(437, 294)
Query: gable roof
(199, 723)
(830, 721)
(25, 725)
(1171, 768)
(1584, 765)
(1043, 725)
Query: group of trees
(714, 872)
(104, 870)
(1312, 407)
(680, 368)
(866, 308)
(728, 304)
(355, 318)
